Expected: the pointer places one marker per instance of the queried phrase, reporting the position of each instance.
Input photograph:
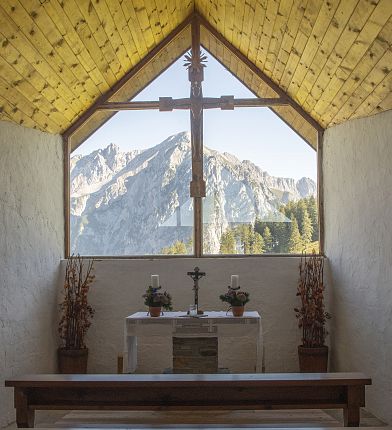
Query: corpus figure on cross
(196, 275)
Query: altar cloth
(178, 324)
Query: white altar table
(179, 324)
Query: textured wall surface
(31, 246)
(120, 284)
(358, 214)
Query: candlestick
(155, 281)
(235, 281)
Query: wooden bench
(182, 392)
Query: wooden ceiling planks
(347, 76)
(311, 89)
(256, 31)
(330, 56)
(312, 31)
(43, 23)
(291, 29)
(367, 64)
(57, 57)
(76, 34)
(279, 29)
(70, 88)
(326, 31)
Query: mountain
(137, 202)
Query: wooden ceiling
(58, 57)
(333, 57)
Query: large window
(143, 184)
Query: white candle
(155, 281)
(235, 281)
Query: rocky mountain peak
(182, 139)
(306, 186)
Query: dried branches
(76, 312)
(312, 315)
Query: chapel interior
(67, 67)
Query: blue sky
(255, 134)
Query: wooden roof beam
(168, 103)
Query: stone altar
(228, 329)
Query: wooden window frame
(104, 103)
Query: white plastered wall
(31, 246)
(358, 244)
(119, 285)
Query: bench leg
(351, 416)
(355, 399)
(24, 415)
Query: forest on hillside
(297, 232)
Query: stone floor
(192, 420)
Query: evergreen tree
(227, 242)
(268, 240)
(178, 248)
(295, 242)
(248, 239)
(258, 246)
(282, 232)
(242, 235)
(307, 229)
(299, 213)
(313, 213)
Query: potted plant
(156, 300)
(313, 353)
(237, 299)
(76, 316)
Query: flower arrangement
(76, 313)
(154, 298)
(312, 315)
(235, 297)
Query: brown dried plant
(312, 315)
(76, 313)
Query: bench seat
(182, 392)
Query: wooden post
(355, 398)
(67, 195)
(197, 187)
(320, 190)
(120, 364)
(24, 415)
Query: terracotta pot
(313, 360)
(238, 311)
(155, 311)
(72, 360)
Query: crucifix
(196, 275)
(196, 103)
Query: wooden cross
(196, 103)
